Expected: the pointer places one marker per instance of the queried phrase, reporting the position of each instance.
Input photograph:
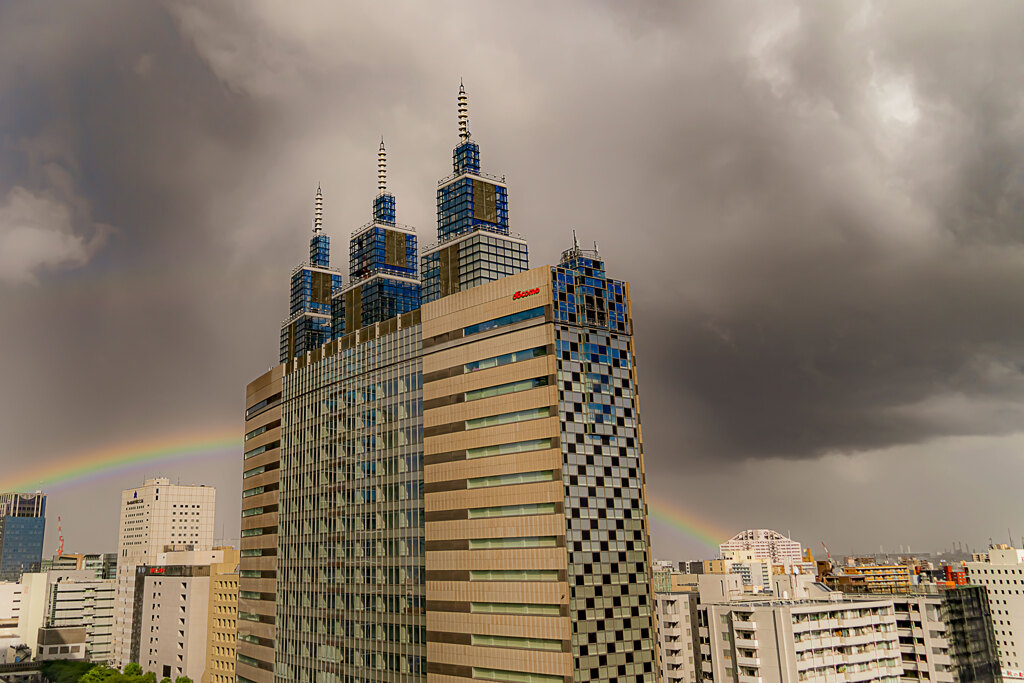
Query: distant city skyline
(816, 205)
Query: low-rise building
(883, 577)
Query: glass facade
(383, 270)
(606, 518)
(350, 602)
(474, 244)
(309, 325)
(21, 545)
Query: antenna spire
(463, 112)
(382, 168)
(318, 210)
(575, 242)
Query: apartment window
(508, 418)
(509, 448)
(503, 321)
(514, 676)
(521, 643)
(512, 510)
(510, 388)
(514, 575)
(514, 542)
(515, 608)
(504, 359)
(510, 479)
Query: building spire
(463, 113)
(382, 168)
(318, 210)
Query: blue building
(383, 276)
(474, 243)
(22, 525)
(308, 325)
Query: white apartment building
(677, 636)
(765, 544)
(804, 632)
(1003, 575)
(10, 609)
(155, 517)
(174, 612)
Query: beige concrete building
(155, 517)
(537, 562)
(257, 575)
(221, 630)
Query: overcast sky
(818, 205)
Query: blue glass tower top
(470, 199)
(383, 266)
(474, 245)
(308, 325)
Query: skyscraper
(22, 525)
(155, 517)
(257, 568)
(308, 325)
(461, 485)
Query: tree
(166, 679)
(182, 679)
(132, 669)
(59, 671)
(101, 674)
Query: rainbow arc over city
(79, 468)
(88, 466)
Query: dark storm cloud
(818, 205)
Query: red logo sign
(528, 292)
(156, 570)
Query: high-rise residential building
(22, 525)
(461, 486)
(175, 613)
(764, 544)
(1002, 574)
(308, 325)
(383, 269)
(257, 568)
(155, 517)
(946, 636)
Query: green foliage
(182, 679)
(65, 672)
(166, 679)
(132, 669)
(102, 674)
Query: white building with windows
(155, 517)
(764, 544)
(1002, 573)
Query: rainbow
(685, 522)
(80, 468)
(94, 464)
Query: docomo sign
(525, 293)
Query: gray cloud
(818, 206)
